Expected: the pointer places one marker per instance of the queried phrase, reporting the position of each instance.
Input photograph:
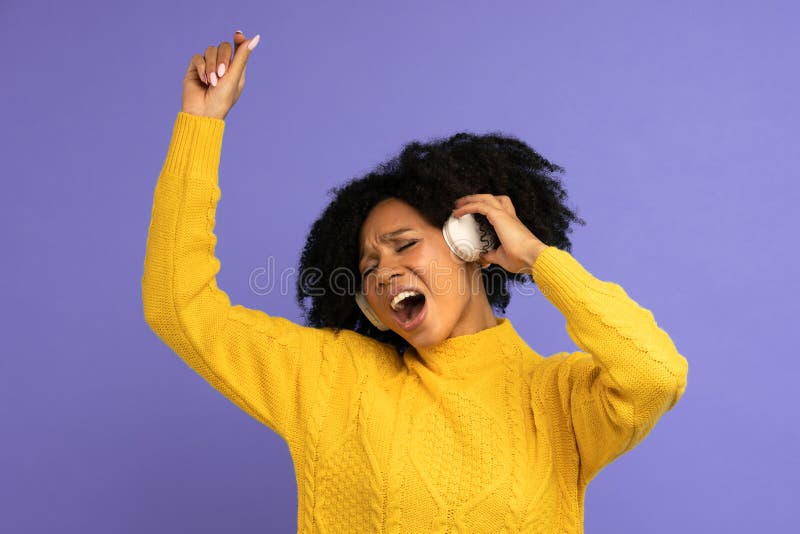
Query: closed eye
(406, 246)
(398, 250)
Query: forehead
(386, 216)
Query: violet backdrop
(677, 127)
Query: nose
(381, 279)
(384, 275)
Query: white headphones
(361, 300)
(468, 237)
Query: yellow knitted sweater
(477, 434)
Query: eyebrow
(388, 237)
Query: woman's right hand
(213, 82)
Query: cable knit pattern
(476, 434)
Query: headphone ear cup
(367, 310)
(469, 236)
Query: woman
(445, 420)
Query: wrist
(535, 248)
(206, 114)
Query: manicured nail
(252, 44)
(221, 69)
(213, 77)
(239, 31)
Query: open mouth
(410, 311)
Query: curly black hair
(430, 177)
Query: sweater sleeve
(266, 365)
(630, 373)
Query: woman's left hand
(518, 248)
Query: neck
(477, 314)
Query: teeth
(396, 302)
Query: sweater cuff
(195, 146)
(561, 278)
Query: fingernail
(252, 44)
(213, 77)
(221, 69)
(239, 31)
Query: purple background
(677, 126)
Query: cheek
(443, 274)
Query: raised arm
(266, 365)
(629, 375)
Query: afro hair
(430, 177)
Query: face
(399, 248)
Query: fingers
(223, 57)
(480, 197)
(216, 60)
(498, 201)
(482, 207)
(211, 64)
(238, 40)
(501, 202)
(198, 65)
(242, 54)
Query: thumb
(242, 53)
(487, 258)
